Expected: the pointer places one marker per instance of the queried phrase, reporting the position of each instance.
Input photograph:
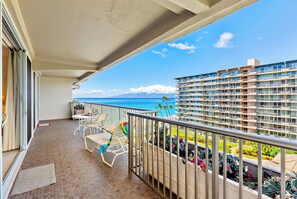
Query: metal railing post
(224, 167)
(130, 136)
(240, 155)
(215, 166)
(259, 171)
(283, 174)
(206, 166)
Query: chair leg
(86, 145)
(84, 132)
(110, 165)
(112, 162)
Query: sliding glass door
(16, 102)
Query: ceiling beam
(193, 6)
(177, 6)
(38, 65)
(85, 77)
(214, 13)
(75, 79)
(170, 6)
(208, 3)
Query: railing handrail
(115, 106)
(269, 140)
(146, 112)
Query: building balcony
(268, 113)
(285, 107)
(285, 115)
(269, 107)
(272, 93)
(78, 173)
(286, 100)
(270, 85)
(267, 121)
(270, 99)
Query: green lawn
(249, 148)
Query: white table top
(79, 116)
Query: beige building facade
(255, 98)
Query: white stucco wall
(55, 95)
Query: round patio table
(81, 121)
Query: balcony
(97, 35)
(78, 172)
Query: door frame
(11, 34)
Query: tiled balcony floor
(79, 174)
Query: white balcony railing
(166, 166)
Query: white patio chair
(112, 140)
(96, 125)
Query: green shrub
(229, 146)
(247, 150)
(267, 150)
(249, 143)
(274, 151)
(291, 151)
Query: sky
(265, 30)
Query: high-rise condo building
(254, 98)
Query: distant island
(145, 95)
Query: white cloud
(184, 46)
(157, 88)
(161, 53)
(181, 46)
(116, 90)
(225, 40)
(96, 93)
(158, 53)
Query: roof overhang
(79, 38)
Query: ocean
(143, 103)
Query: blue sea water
(142, 103)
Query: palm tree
(170, 109)
(166, 100)
(160, 106)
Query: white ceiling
(86, 36)
(63, 73)
(85, 31)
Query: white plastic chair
(112, 140)
(96, 125)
